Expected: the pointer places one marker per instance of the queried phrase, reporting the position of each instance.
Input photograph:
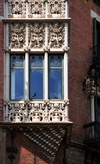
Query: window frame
(45, 78)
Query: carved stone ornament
(27, 111)
(36, 35)
(56, 35)
(56, 8)
(36, 8)
(16, 8)
(17, 35)
(91, 87)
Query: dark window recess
(96, 41)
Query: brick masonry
(80, 58)
(75, 156)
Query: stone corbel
(46, 49)
(7, 102)
(65, 49)
(66, 102)
(26, 49)
(8, 49)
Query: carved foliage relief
(56, 35)
(36, 35)
(56, 8)
(17, 35)
(36, 8)
(16, 8)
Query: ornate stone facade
(28, 111)
(36, 8)
(36, 35)
(91, 87)
(17, 35)
(16, 8)
(56, 8)
(56, 35)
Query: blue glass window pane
(55, 77)
(36, 77)
(17, 84)
(17, 77)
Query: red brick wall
(1, 61)
(27, 153)
(80, 58)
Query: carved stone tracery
(16, 8)
(28, 111)
(56, 8)
(36, 35)
(56, 35)
(36, 8)
(17, 35)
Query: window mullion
(7, 72)
(65, 75)
(46, 76)
(26, 76)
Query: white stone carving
(56, 8)
(16, 8)
(36, 8)
(36, 35)
(17, 35)
(56, 35)
(30, 111)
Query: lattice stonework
(44, 111)
(16, 8)
(36, 8)
(17, 35)
(47, 139)
(56, 35)
(36, 35)
(56, 8)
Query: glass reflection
(17, 77)
(55, 77)
(36, 77)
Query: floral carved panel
(56, 35)
(27, 111)
(17, 34)
(36, 35)
(16, 8)
(56, 8)
(36, 8)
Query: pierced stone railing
(36, 111)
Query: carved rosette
(36, 8)
(17, 35)
(56, 35)
(16, 8)
(36, 35)
(56, 8)
(28, 111)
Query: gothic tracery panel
(36, 8)
(56, 35)
(17, 35)
(56, 8)
(36, 35)
(16, 8)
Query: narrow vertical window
(55, 77)
(36, 76)
(17, 77)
